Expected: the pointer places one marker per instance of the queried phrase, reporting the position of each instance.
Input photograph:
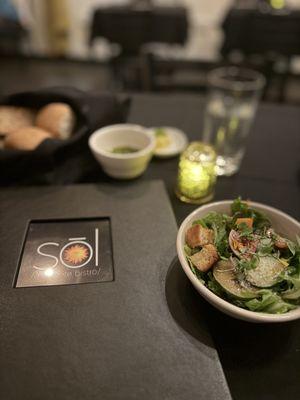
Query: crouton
(196, 236)
(205, 258)
(247, 221)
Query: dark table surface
(259, 361)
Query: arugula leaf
(265, 246)
(221, 240)
(292, 246)
(294, 292)
(215, 218)
(241, 209)
(295, 261)
(245, 264)
(200, 222)
(220, 223)
(238, 206)
(189, 252)
(245, 230)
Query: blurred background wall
(52, 29)
(74, 17)
(62, 26)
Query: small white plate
(178, 142)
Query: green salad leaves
(262, 269)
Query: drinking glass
(230, 109)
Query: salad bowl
(282, 223)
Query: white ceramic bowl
(122, 166)
(281, 222)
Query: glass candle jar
(196, 173)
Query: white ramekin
(122, 166)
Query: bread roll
(26, 138)
(13, 118)
(57, 118)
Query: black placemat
(142, 335)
